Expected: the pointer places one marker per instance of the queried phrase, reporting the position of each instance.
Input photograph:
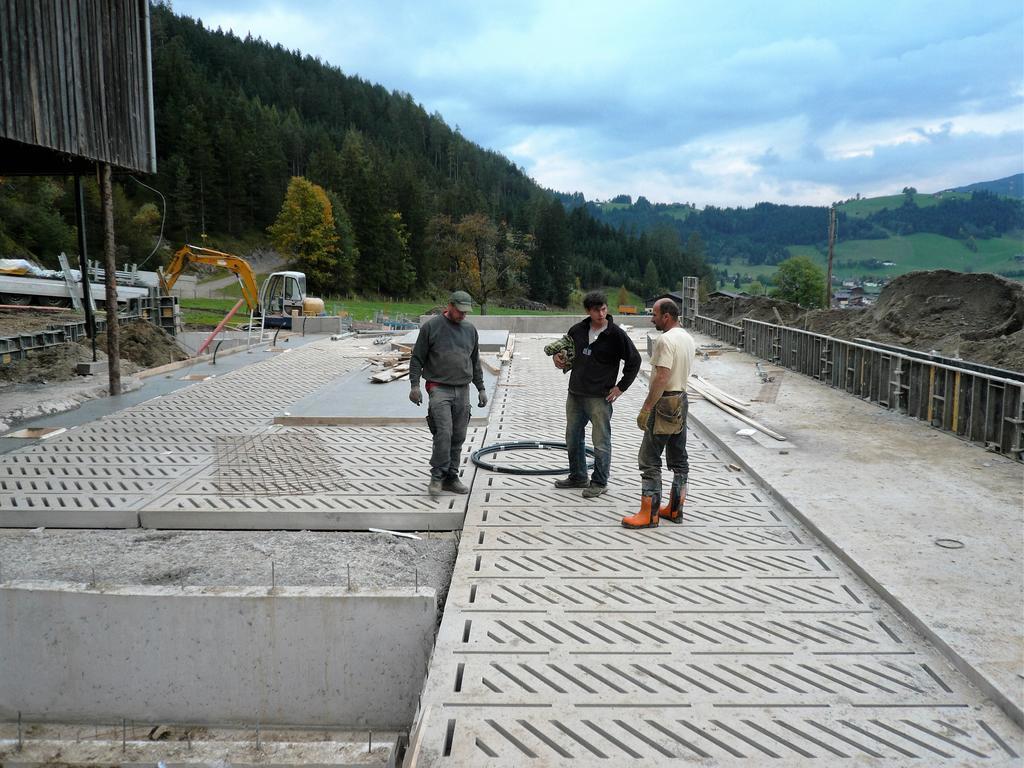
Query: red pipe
(220, 327)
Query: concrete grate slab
(736, 638)
(209, 456)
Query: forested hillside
(414, 206)
(765, 233)
(1011, 186)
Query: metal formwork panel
(735, 638)
(730, 334)
(974, 402)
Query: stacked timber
(394, 364)
(731, 405)
(391, 365)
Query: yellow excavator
(281, 293)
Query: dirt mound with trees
(975, 317)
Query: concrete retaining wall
(541, 323)
(293, 656)
(317, 324)
(521, 323)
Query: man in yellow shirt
(663, 420)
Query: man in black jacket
(600, 345)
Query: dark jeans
(649, 459)
(447, 417)
(598, 411)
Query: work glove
(416, 396)
(481, 399)
(641, 420)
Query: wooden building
(76, 86)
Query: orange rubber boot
(647, 517)
(673, 511)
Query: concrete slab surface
(934, 521)
(736, 638)
(208, 456)
(353, 399)
(805, 610)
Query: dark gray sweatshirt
(446, 352)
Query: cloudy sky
(721, 102)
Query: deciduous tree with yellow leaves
(305, 233)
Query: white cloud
(703, 101)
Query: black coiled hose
(524, 445)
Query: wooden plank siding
(75, 84)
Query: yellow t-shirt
(675, 350)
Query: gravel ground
(229, 558)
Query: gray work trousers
(448, 418)
(651, 449)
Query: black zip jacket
(595, 368)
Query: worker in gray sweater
(447, 356)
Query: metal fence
(979, 404)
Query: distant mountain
(1011, 186)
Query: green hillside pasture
(862, 208)
(756, 271)
(920, 251)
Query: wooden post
(83, 265)
(831, 251)
(113, 331)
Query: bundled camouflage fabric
(566, 345)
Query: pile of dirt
(974, 317)
(48, 365)
(733, 310)
(143, 346)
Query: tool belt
(670, 414)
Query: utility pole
(831, 252)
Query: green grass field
(915, 252)
(212, 311)
(862, 208)
(921, 251)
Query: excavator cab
(284, 293)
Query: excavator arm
(195, 254)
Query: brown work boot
(673, 511)
(434, 489)
(647, 517)
(454, 485)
